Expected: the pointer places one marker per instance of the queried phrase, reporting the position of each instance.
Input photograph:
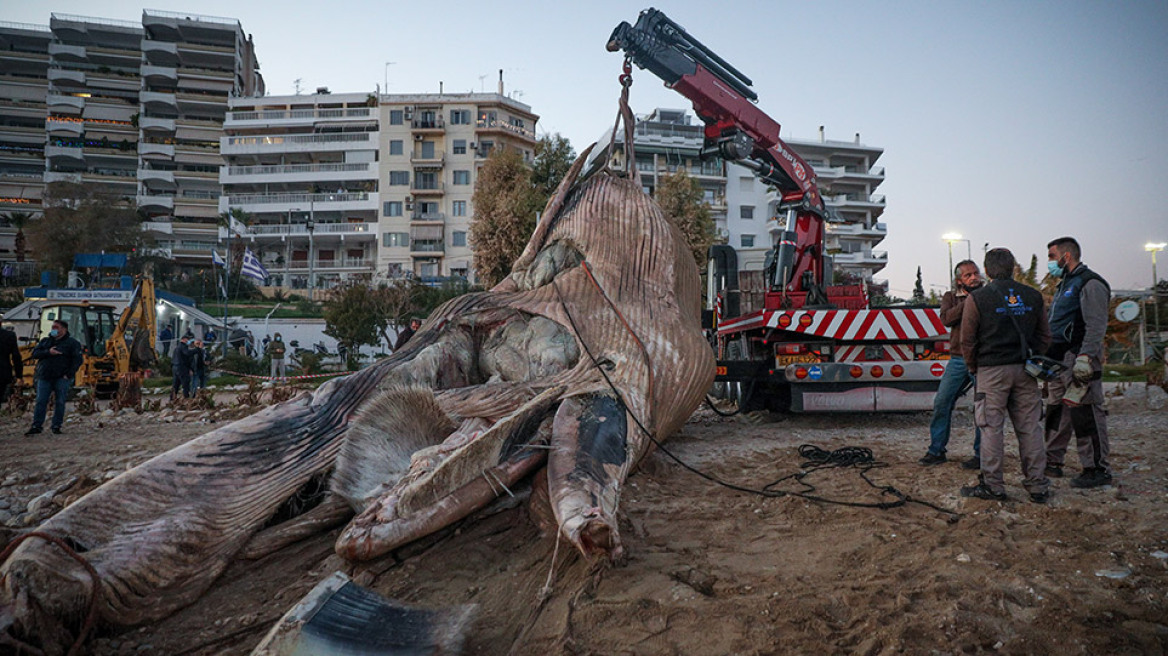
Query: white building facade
(303, 172)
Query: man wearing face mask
(1078, 322)
(58, 358)
(957, 378)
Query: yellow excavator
(111, 347)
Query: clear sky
(1010, 122)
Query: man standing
(276, 351)
(58, 358)
(1078, 322)
(198, 367)
(11, 367)
(181, 367)
(405, 335)
(165, 338)
(1000, 324)
(957, 378)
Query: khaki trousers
(1008, 390)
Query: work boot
(56, 431)
(1091, 477)
(932, 459)
(1053, 471)
(972, 463)
(33, 431)
(982, 491)
(1039, 497)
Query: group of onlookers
(189, 365)
(997, 327)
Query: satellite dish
(1127, 310)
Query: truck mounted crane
(813, 346)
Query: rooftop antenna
(387, 65)
(482, 83)
(296, 85)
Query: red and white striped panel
(898, 352)
(902, 352)
(849, 354)
(848, 325)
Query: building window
(395, 117)
(393, 208)
(462, 177)
(396, 239)
(395, 147)
(517, 122)
(746, 183)
(399, 178)
(747, 241)
(746, 212)
(458, 208)
(459, 147)
(460, 117)
(458, 238)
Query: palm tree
(18, 220)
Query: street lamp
(1154, 248)
(309, 225)
(949, 238)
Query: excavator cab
(89, 324)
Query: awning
(99, 261)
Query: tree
(682, 199)
(553, 157)
(505, 209)
(352, 317)
(918, 289)
(83, 218)
(19, 220)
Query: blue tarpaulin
(99, 261)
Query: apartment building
(191, 66)
(24, 68)
(432, 146)
(90, 130)
(136, 107)
(669, 140)
(304, 170)
(847, 177)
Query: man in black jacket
(1001, 323)
(58, 358)
(181, 362)
(11, 367)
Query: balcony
(434, 161)
(855, 201)
(64, 104)
(157, 101)
(431, 189)
(324, 266)
(435, 125)
(160, 125)
(59, 126)
(154, 74)
(338, 202)
(257, 145)
(426, 247)
(64, 154)
(64, 78)
(428, 216)
(300, 230)
(62, 176)
(250, 118)
(153, 179)
(155, 151)
(156, 203)
(298, 173)
(876, 259)
(495, 125)
(66, 52)
(161, 53)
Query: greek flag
(252, 267)
(217, 259)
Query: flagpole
(226, 281)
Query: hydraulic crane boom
(738, 131)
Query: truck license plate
(784, 360)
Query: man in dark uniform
(1078, 322)
(58, 358)
(11, 367)
(1002, 321)
(182, 360)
